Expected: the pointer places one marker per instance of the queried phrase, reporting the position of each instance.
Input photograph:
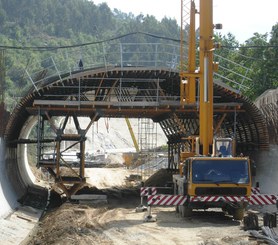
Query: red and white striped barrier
(256, 198)
(144, 191)
(166, 200)
(219, 198)
(263, 199)
(255, 190)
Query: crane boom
(188, 83)
(204, 74)
(206, 77)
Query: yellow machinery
(210, 175)
(204, 73)
(132, 134)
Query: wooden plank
(89, 197)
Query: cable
(51, 48)
(249, 47)
(250, 57)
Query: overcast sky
(240, 17)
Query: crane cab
(223, 147)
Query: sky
(242, 18)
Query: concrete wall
(15, 173)
(267, 169)
(8, 199)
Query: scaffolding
(66, 161)
(147, 138)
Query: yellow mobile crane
(206, 179)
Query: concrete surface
(8, 199)
(16, 222)
(17, 226)
(267, 169)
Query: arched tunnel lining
(268, 104)
(16, 175)
(20, 122)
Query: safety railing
(66, 62)
(231, 74)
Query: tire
(238, 213)
(186, 211)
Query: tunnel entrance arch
(134, 92)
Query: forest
(27, 24)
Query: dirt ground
(116, 222)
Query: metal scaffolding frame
(147, 140)
(69, 175)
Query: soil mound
(161, 178)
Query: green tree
(271, 56)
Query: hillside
(50, 23)
(112, 134)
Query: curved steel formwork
(140, 92)
(268, 105)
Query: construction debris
(251, 222)
(90, 199)
(267, 235)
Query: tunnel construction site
(118, 92)
(117, 85)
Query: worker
(80, 64)
(223, 150)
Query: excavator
(210, 174)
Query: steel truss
(69, 174)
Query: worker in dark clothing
(80, 64)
